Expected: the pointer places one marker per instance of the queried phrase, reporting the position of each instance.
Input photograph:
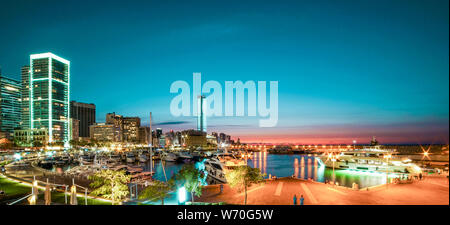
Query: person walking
(420, 176)
(221, 188)
(301, 200)
(295, 199)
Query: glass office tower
(201, 113)
(49, 95)
(9, 105)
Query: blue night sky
(346, 69)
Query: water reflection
(308, 167)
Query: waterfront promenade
(430, 191)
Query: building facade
(113, 118)
(144, 135)
(85, 113)
(131, 129)
(25, 104)
(49, 95)
(74, 129)
(193, 138)
(10, 104)
(31, 137)
(105, 132)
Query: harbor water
(279, 165)
(298, 166)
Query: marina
(316, 167)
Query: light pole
(387, 157)
(425, 155)
(334, 176)
(333, 158)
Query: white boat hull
(215, 174)
(131, 160)
(383, 168)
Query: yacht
(59, 161)
(371, 158)
(66, 158)
(197, 155)
(85, 160)
(115, 158)
(130, 158)
(143, 157)
(169, 157)
(220, 164)
(184, 155)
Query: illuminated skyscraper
(25, 107)
(201, 115)
(49, 95)
(9, 106)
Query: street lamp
(387, 157)
(333, 158)
(425, 155)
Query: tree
(5, 144)
(243, 177)
(190, 178)
(157, 190)
(110, 184)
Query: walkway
(431, 191)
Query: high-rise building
(25, 108)
(49, 95)
(113, 118)
(85, 113)
(144, 135)
(222, 137)
(201, 115)
(9, 106)
(159, 132)
(131, 129)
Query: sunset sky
(345, 69)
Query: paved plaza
(429, 191)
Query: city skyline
(340, 79)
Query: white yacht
(372, 158)
(85, 160)
(184, 155)
(168, 156)
(143, 157)
(130, 158)
(220, 164)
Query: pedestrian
(301, 200)
(420, 176)
(221, 188)
(295, 199)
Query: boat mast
(151, 145)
